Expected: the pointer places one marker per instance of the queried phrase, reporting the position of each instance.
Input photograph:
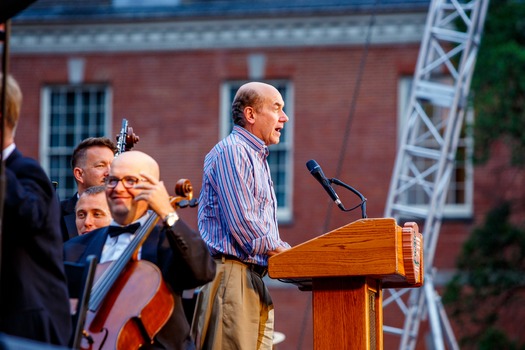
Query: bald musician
(134, 191)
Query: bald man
(134, 192)
(238, 222)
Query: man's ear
(77, 173)
(249, 114)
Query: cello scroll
(183, 195)
(126, 139)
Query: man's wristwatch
(171, 219)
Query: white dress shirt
(114, 246)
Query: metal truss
(427, 151)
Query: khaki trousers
(234, 311)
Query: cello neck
(106, 281)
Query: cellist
(134, 192)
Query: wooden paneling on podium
(346, 270)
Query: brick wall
(172, 101)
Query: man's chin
(119, 213)
(118, 206)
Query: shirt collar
(141, 220)
(253, 141)
(8, 150)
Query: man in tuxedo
(134, 192)
(33, 290)
(90, 164)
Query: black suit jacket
(33, 291)
(67, 217)
(181, 255)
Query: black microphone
(315, 170)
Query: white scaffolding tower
(426, 155)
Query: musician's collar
(142, 220)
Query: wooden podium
(346, 269)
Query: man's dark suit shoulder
(67, 218)
(67, 206)
(38, 310)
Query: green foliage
(491, 281)
(498, 83)
(496, 339)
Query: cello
(130, 302)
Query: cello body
(138, 306)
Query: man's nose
(120, 183)
(89, 221)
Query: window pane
(71, 119)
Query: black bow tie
(114, 231)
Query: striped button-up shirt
(237, 205)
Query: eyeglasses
(127, 181)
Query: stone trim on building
(216, 34)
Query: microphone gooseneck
(315, 170)
(317, 173)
